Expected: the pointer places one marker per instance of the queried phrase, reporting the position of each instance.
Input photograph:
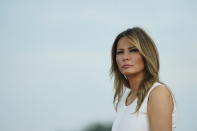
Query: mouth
(126, 66)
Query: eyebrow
(128, 48)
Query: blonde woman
(142, 102)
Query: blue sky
(55, 59)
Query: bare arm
(160, 107)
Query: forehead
(124, 42)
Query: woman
(142, 102)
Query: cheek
(118, 61)
(140, 62)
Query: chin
(130, 73)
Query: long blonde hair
(148, 50)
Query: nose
(125, 56)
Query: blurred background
(55, 60)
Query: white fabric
(126, 121)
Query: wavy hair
(148, 50)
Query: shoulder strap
(153, 86)
(143, 107)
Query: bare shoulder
(160, 91)
(160, 108)
(161, 96)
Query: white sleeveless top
(126, 121)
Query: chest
(127, 120)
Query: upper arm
(160, 108)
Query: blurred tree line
(99, 127)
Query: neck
(134, 81)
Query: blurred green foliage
(99, 127)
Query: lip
(126, 66)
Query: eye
(133, 50)
(119, 52)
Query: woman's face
(128, 58)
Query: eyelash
(131, 50)
(134, 50)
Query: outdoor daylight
(55, 59)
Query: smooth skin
(160, 102)
(160, 108)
